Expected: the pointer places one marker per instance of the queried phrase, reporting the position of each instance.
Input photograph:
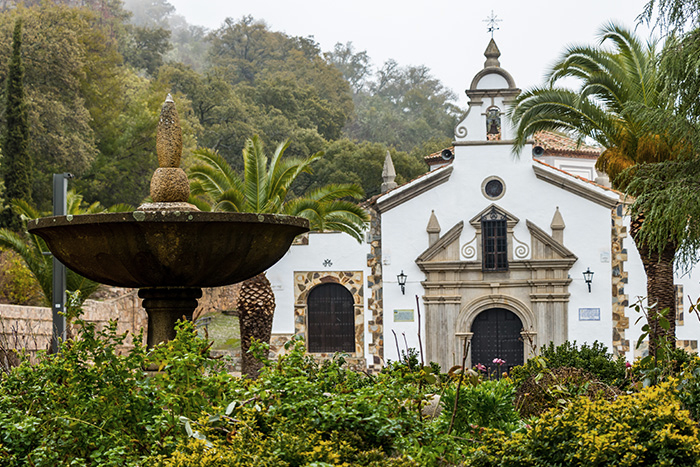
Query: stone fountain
(168, 249)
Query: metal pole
(58, 308)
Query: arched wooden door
(330, 319)
(497, 335)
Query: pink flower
(628, 365)
(480, 367)
(499, 361)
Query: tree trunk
(660, 287)
(256, 308)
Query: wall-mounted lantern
(402, 281)
(588, 277)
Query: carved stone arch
(468, 314)
(471, 310)
(493, 70)
(305, 281)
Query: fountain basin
(144, 249)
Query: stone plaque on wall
(589, 314)
(403, 316)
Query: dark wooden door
(330, 319)
(497, 335)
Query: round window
(493, 188)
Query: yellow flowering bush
(246, 447)
(646, 428)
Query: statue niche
(493, 124)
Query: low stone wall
(30, 327)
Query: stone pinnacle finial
(492, 53)
(169, 137)
(558, 226)
(433, 229)
(388, 174)
(169, 183)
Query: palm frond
(335, 191)
(120, 207)
(212, 173)
(231, 200)
(25, 210)
(546, 109)
(202, 201)
(255, 175)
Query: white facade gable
(547, 227)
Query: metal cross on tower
(492, 22)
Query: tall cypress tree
(16, 161)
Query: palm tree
(265, 188)
(614, 83)
(36, 255)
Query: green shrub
(595, 359)
(17, 284)
(488, 404)
(556, 388)
(300, 412)
(669, 363)
(88, 405)
(689, 387)
(646, 428)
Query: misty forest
(96, 74)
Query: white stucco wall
(587, 234)
(343, 251)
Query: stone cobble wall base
(620, 301)
(375, 302)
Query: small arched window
(330, 319)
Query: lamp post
(58, 302)
(402, 281)
(588, 277)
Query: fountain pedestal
(165, 306)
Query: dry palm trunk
(660, 287)
(256, 307)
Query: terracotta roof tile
(556, 144)
(437, 156)
(583, 179)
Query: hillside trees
(397, 106)
(285, 72)
(93, 92)
(54, 55)
(346, 161)
(89, 113)
(17, 163)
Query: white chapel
(487, 251)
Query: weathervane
(492, 21)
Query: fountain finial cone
(169, 136)
(169, 183)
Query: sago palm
(265, 188)
(613, 82)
